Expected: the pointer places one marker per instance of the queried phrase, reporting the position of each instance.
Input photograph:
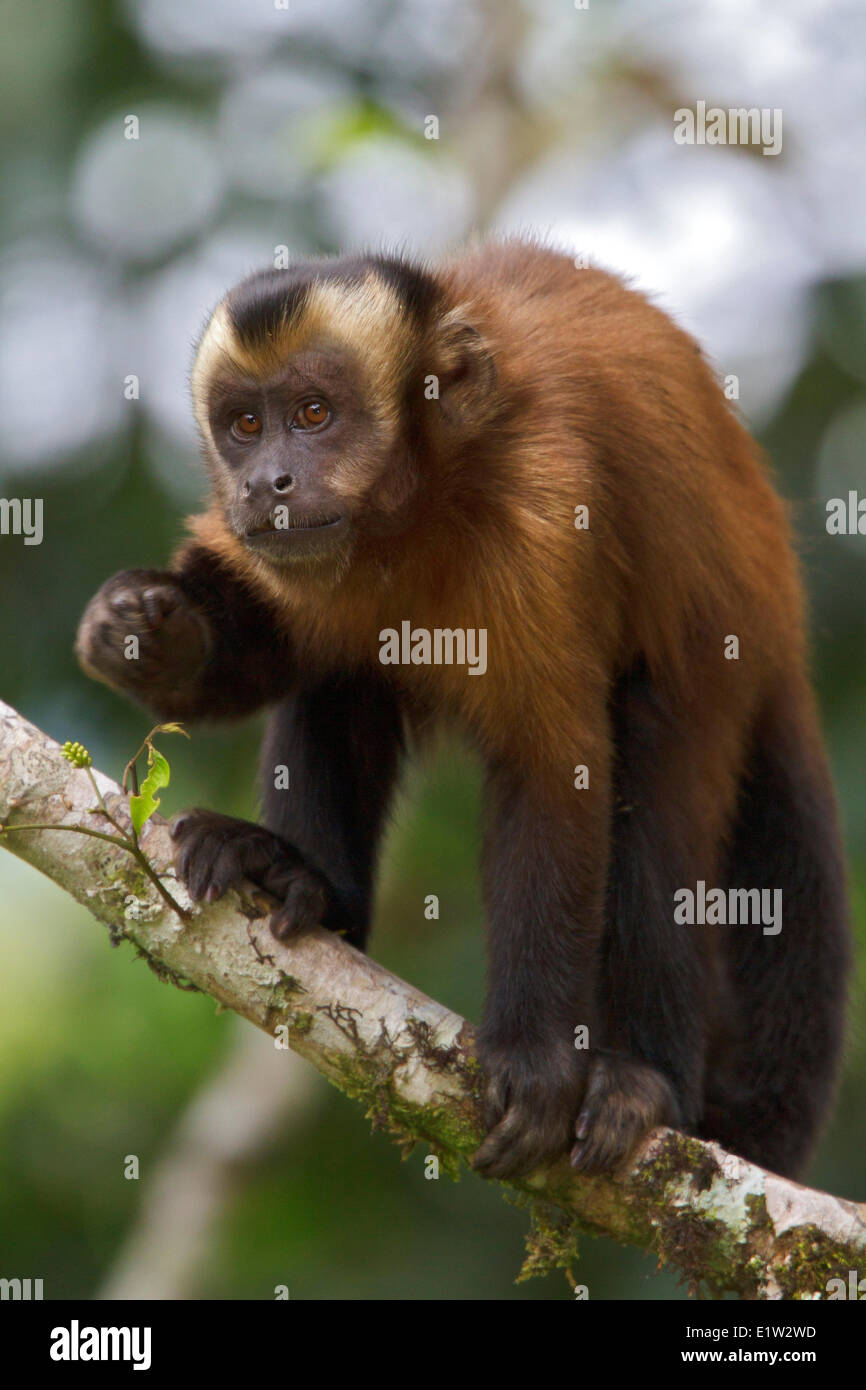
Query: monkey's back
(631, 422)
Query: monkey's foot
(214, 853)
(529, 1107)
(624, 1099)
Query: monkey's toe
(529, 1107)
(625, 1098)
(521, 1142)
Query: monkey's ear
(466, 371)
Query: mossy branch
(724, 1224)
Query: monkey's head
(328, 396)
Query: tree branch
(725, 1224)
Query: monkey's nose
(261, 487)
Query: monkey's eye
(311, 416)
(246, 426)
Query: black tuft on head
(260, 305)
(416, 289)
(268, 300)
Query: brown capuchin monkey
(510, 455)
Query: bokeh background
(304, 127)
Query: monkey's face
(309, 390)
(296, 456)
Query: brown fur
(687, 541)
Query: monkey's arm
(329, 764)
(188, 643)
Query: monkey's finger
(227, 870)
(282, 924)
(158, 601)
(196, 858)
(126, 603)
(303, 909)
(276, 876)
(106, 644)
(307, 900)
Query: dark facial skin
(280, 443)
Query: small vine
(143, 801)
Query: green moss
(551, 1242)
(678, 1157)
(759, 1217)
(450, 1130)
(288, 984)
(811, 1259)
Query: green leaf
(143, 806)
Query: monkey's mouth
(310, 536)
(295, 523)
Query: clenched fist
(142, 635)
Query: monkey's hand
(142, 635)
(531, 1097)
(214, 853)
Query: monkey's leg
(188, 643)
(329, 763)
(768, 1095)
(674, 785)
(582, 932)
